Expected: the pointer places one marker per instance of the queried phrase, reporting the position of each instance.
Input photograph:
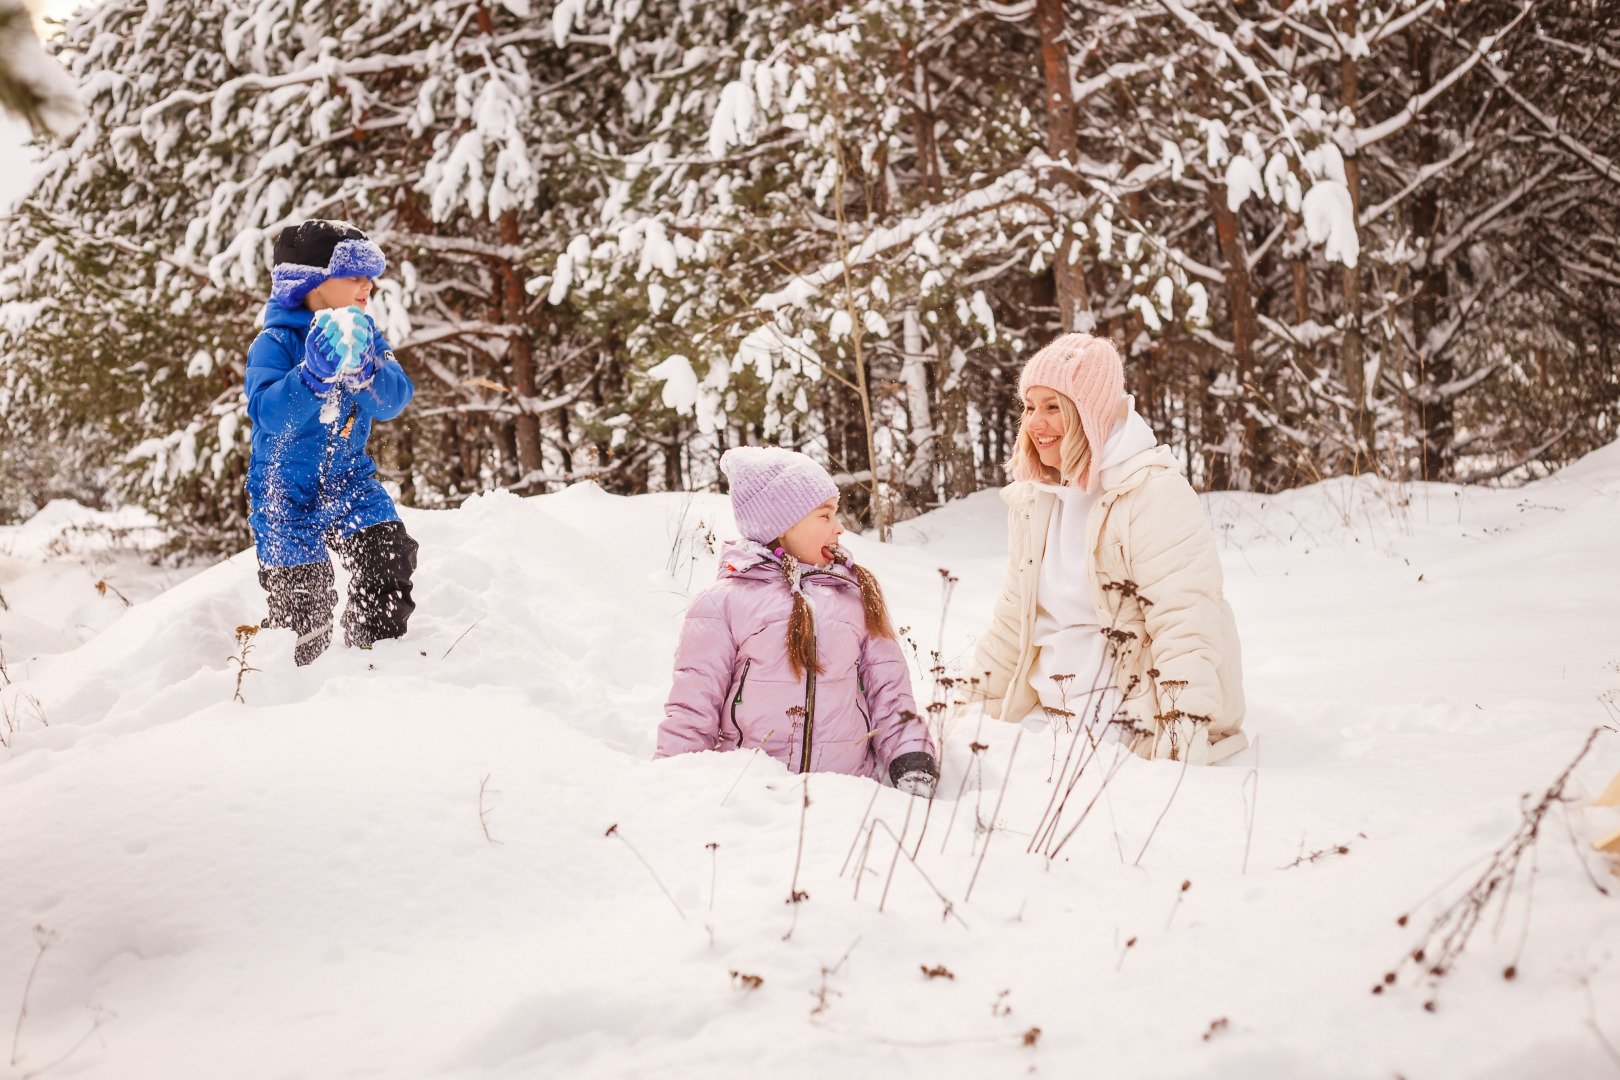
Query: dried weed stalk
(795, 896)
(244, 645)
(994, 815)
(860, 869)
(1436, 952)
(613, 830)
(1251, 803)
(44, 939)
(103, 587)
(1326, 853)
(483, 814)
(824, 992)
(762, 744)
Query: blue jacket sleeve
(278, 400)
(390, 390)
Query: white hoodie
(1067, 632)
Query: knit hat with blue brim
(312, 253)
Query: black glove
(915, 773)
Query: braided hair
(801, 630)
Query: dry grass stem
(1436, 952)
(762, 744)
(463, 634)
(483, 814)
(1251, 803)
(244, 645)
(860, 829)
(1326, 853)
(795, 897)
(877, 823)
(613, 830)
(994, 814)
(899, 850)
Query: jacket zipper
(331, 442)
(736, 701)
(809, 717)
(860, 697)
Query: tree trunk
(1068, 275)
(1435, 423)
(1245, 326)
(522, 350)
(1352, 364)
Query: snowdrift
(451, 855)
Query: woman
(1111, 614)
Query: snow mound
(451, 855)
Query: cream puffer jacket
(1155, 579)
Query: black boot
(301, 600)
(380, 560)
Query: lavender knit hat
(773, 489)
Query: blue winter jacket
(306, 478)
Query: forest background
(625, 235)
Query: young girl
(791, 650)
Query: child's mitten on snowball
(915, 773)
(340, 348)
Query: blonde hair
(1074, 449)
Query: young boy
(312, 398)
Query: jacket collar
(296, 318)
(756, 562)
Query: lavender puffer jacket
(734, 687)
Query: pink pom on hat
(1086, 370)
(773, 489)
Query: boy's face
(340, 292)
(813, 538)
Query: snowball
(1330, 220)
(680, 383)
(1242, 180)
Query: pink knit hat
(773, 489)
(1086, 370)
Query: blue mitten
(341, 347)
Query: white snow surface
(300, 885)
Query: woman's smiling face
(1043, 421)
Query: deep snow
(301, 886)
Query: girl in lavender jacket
(791, 650)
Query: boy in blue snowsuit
(310, 481)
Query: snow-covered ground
(309, 883)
